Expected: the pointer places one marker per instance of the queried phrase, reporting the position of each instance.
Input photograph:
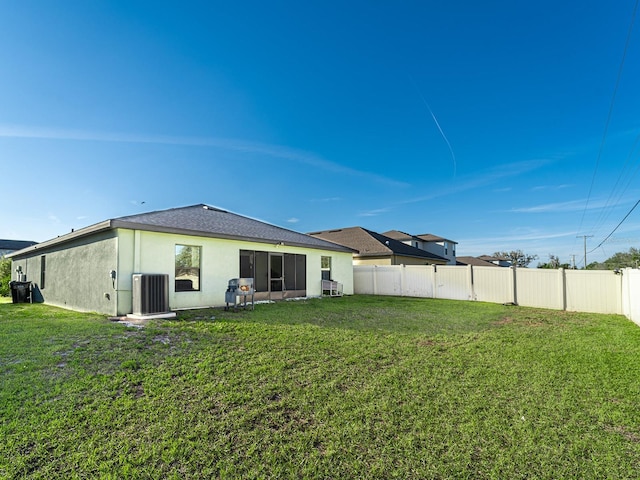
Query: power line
(627, 174)
(617, 226)
(608, 121)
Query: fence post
(434, 277)
(563, 288)
(402, 279)
(472, 294)
(375, 279)
(514, 285)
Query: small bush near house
(353, 387)
(5, 277)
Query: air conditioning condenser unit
(150, 293)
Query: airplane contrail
(435, 120)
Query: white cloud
(568, 206)
(551, 187)
(276, 151)
(493, 175)
(374, 213)
(293, 220)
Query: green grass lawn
(353, 387)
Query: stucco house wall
(152, 252)
(76, 273)
(78, 266)
(371, 261)
(444, 249)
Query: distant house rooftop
(425, 237)
(398, 235)
(474, 261)
(428, 237)
(8, 246)
(372, 244)
(500, 261)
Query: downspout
(563, 288)
(136, 251)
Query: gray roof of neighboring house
(398, 235)
(205, 221)
(476, 262)
(490, 258)
(369, 243)
(429, 237)
(425, 237)
(14, 245)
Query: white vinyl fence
(596, 291)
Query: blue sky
(490, 123)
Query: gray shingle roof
(398, 235)
(202, 220)
(210, 221)
(426, 237)
(475, 261)
(369, 243)
(15, 244)
(429, 237)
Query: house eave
(115, 224)
(68, 237)
(241, 238)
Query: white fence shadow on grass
(594, 291)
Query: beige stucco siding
(125, 270)
(401, 260)
(153, 252)
(78, 271)
(341, 271)
(372, 260)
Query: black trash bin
(20, 292)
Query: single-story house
(475, 262)
(9, 246)
(372, 248)
(499, 261)
(200, 248)
(443, 247)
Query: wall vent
(150, 293)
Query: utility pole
(573, 262)
(584, 237)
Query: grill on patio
(238, 291)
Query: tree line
(629, 259)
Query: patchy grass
(353, 387)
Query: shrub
(5, 277)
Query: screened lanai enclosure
(276, 275)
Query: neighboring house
(376, 249)
(474, 261)
(440, 246)
(8, 246)
(499, 261)
(199, 247)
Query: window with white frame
(325, 267)
(187, 268)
